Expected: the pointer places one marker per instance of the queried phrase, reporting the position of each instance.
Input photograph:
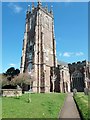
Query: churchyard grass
(82, 102)
(46, 105)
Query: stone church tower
(39, 52)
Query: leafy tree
(12, 72)
(6, 78)
(17, 71)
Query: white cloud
(60, 54)
(15, 8)
(79, 54)
(71, 54)
(67, 54)
(12, 65)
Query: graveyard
(46, 105)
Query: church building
(79, 75)
(39, 55)
(39, 49)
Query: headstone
(74, 91)
(86, 91)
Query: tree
(3, 80)
(23, 78)
(6, 78)
(17, 71)
(11, 72)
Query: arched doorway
(78, 81)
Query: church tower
(39, 51)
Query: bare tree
(3, 81)
(24, 78)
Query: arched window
(29, 67)
(30, 56)
(78, 81)
(30, 24)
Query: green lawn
(41, 106)
(82, 102)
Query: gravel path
(69, 109)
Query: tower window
(29, 67)
(31, 48)
(30, 56)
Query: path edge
(80, 113)
(62, 107)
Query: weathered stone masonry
(39, 52)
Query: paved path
(69, 109)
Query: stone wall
(62, 82)
(79, 74)
(11, 92)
